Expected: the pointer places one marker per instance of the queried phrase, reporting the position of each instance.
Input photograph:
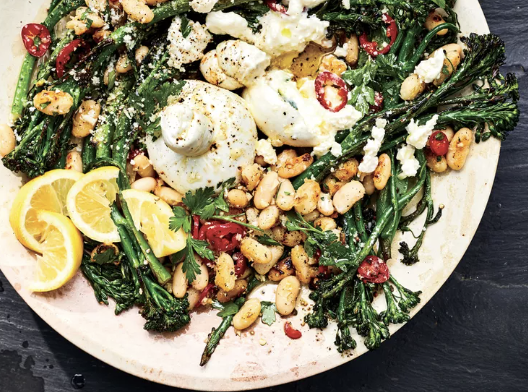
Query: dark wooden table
(472, 336)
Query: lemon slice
(47, 192)
(62, 249)
(89, 201)
(151, 216)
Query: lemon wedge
(151, 216)
(61, 247)
(48, 193)
(88, 204)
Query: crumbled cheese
(341, 51)
(409, 164)
(336, 150)
(203, 6)
(370, 159)
(346, 4)
(266, 151)
(190, 49)
(296, 7)
(229, 23)
(419, 134)
(431, 69)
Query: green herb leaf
(229, 309)
(440, 3)
(185, 27)
(268, 312)
(180, 220)
(201, 247)
(267, 240)
(106, 254)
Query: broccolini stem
(214, 339)
(45, 70)
(88, 154)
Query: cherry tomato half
(277, 7)
(222, 236)
(326, 80)
(438, 143)
(66, 53)
(291, 332)
(36, 38)
(373, 270)
(371, 47)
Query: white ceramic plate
(243, 362)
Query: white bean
(247, 315)
(179, 282)
(142, 166)
(332, 64)
(332, 185)
(255, 251)
(285, 196)
(368, 183)
(237, 198)
(438, 164)
(226, 296)
(292, 238)
(141, 53)
(123, 64)
(286, 295)
(281, 270)
(352, 55)
(202, 279)
(138, 11)
(74, 161)
(168, 195)
(53, 103)
(325, 223)
(193, 296)
(225, 272)
(266, 189)
(459, 149)
(412, 87)
(85, 118)
(7, 140)
(347, 170)
(325, 205)
(300, 261)
(307, 196)
(251, 176)
(435, 19)
(383, 172)
(347, 196)
(295, 166)
(453, 54)
(268, 218)
(146, 184)
(276, 254)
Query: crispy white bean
(53, 103)
(237, 198)
(284, 157)
(123, 64)
(438, 164)
(286, 295)
(412, 87)
(146, 184)
(453, 54)
(292, 238)
(168, 195)
(142, 166)
(202, 279)
(368, 184)
(252, 216)
(74, 161)
(266, 189)
(193, 297)
(347, 196)
(325, 223)
(7, 140)
(101, 35)
(281, 270)
(137, 10)
(84, 20)
(255, 251)
(276, 254)
(141, 53)
(251, 176)
(155, 2)
(325, 205)
(300, 261)
(225, 272)
(285, 196)
(332, 64)
(352, 55)
(85, 118)
(226, 296)
(295, 166)
(347, 170)
(332, 185)
(179, 282)
(435, 19)
(312, 216)
(268, 217)
(247, 315)
(307, 196)
(459, 149)
(383, 172)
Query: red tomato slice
(328, 79)
(36, 38)
(291, 332)
(438, 143)
(373, 270)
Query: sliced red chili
(373, 270)
(222, 236)
(196, 227)
(204, 293)
(241, 263)
(371, 47)
(438, 143)
(65, 55)
(378, 103)
(326, 80)
(291, 332)
(36, 38)
(277, 7)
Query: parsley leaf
(229, 309)
(440, 3)
(201, 247)
(204, 203)
(185, 27)
(267, 240)
(180, 220)
(190, 267)
(268, 312)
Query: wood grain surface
(472, 336)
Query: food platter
(261, 356)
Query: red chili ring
(291, 332)
(32, 31)
(65, 55)
(325, 79)
(371, 47)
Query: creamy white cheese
(185, 50)
(409, 164)
(341, 51)
(279, 33)
(295, 7)
(203, 6)
(429, 70)
(419, 134)
(266, 151)
(293, 116)
(346, 4)
(242, 61)
(370, 157)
